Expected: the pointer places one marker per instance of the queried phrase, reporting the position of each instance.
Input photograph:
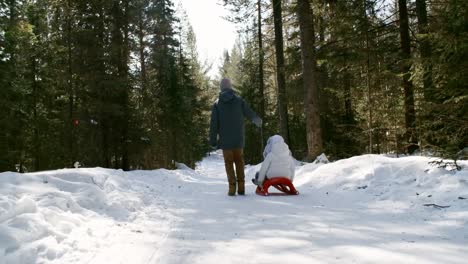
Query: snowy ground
(366, 209)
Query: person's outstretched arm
(250, 114)
(214, 126)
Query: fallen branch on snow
(437, 206)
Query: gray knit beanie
(225, 84)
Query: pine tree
(446, 128)
(280, 69)
(309, 78)
(425, 47)
(410, 115)
(71, 92)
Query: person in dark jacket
(227, 133)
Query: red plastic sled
(282, 184)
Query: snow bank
(379, 178)
(67, 215)
(365, 209)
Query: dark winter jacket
(227, 120)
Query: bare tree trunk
(309, 76)
(370, 105)
(71, 97)
(124, 76)
(410, 116)
(36, 143)
(18, 138)
(280, 73)
(348, 100)
(141, 35)
(425, 48)
(103, 116)
(261, 59)
(369, 93)
(324, 71)
(347, 78)
(34, 84)
(261, 84)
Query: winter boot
(231, 176)
(239, 161)
(241, 187)
(232, 189)
(232, 183)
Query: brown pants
(231, 157)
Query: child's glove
(256, 182)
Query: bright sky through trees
(214, 34)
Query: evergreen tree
(410, 115)
(119, 83)
(280, 69)
(72, 92)
(309, 79)
(446, 126)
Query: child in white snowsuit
(278, 161)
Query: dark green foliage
(361, 68)
(70, 91)
(445, 123)
(118, 83)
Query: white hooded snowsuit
(278, 160)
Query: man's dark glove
(258, 122)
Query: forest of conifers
(119, 83)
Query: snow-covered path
(315, 227)
(366, 209)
